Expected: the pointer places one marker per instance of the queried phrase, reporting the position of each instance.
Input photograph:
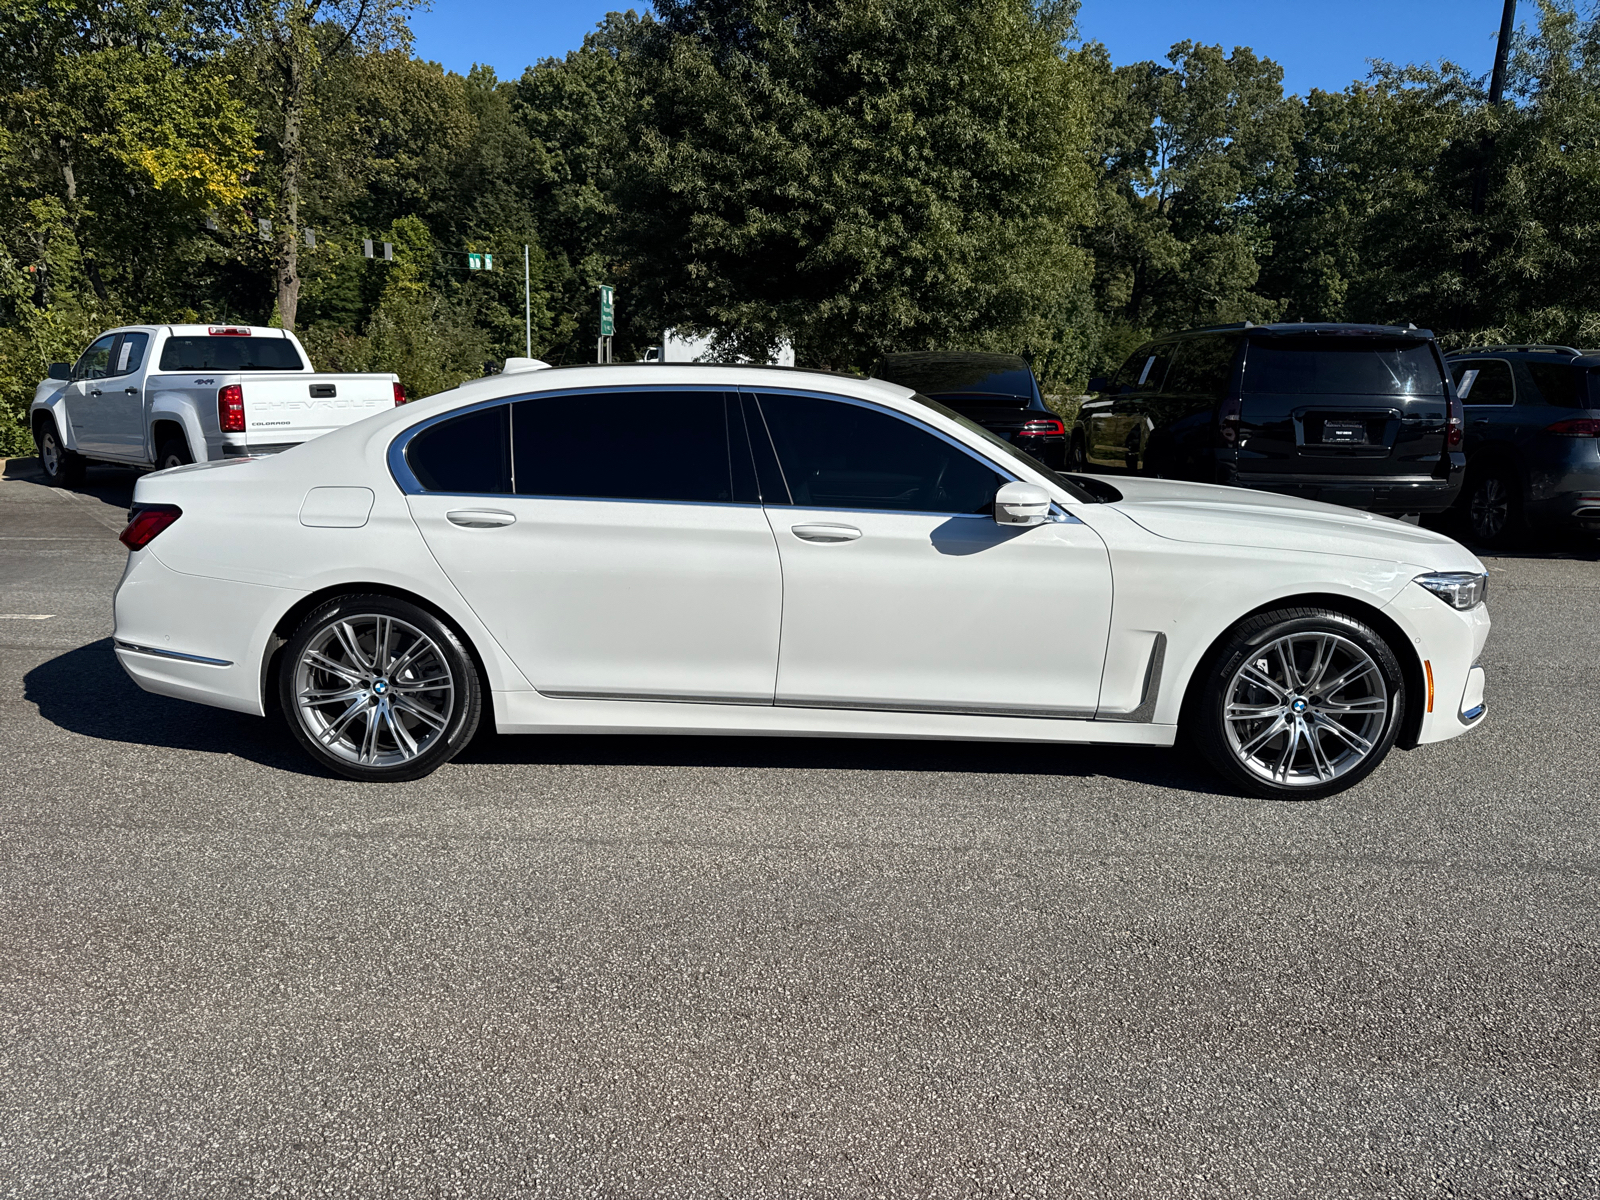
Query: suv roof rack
(1520, 348)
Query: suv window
(230, 354)
(1204, 367)
(840, 455)
(96, 360)
(1492, 384)
(1349, 366)
(1146, 371)
(1560, 384)
(469, 454)
(624, 446)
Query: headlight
(1458, 589)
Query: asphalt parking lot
(747, 967)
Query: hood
(1202, 512)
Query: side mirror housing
(59, 371)
(1021, 504)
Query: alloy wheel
(1305, 709)
(1491, 507)
(50, 454)
(373, 690)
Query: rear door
(1118, 431)
(1489, 405)
(1340, 409)
(612, 542)
(901, 592)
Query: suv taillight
(145, 523)
(230, 408)
(1454, 422)
(399, 394)
(1577, 427)
(1045, 427)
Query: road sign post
(608, 321)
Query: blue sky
(1319, 43)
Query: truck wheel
(62, 468)
(173, 452)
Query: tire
(62, 467)
(1492, 507)
(359, 717)
(1267, 719)
(1077, 456)
(173, 452)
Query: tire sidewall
(463, 721)
(1247, 639)
(174, 449)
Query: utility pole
(527, 305)
(1497, 91)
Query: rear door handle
(131, 391)
(94, 391)
(826, 533)
(480, 518)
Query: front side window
(1145, 372)
(96, 360)
(1351, 367)
(1204, 367)
(671, 446)
(1490, 386)
(834, 454)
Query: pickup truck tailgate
(297, 408)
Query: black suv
(1533, 438)
(1361, 415)
(998, 391)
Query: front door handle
(94, 391)
(480, 518)
(131, 391)
(826, 533)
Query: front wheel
(378, 689)
(1299, 704)
(62, 468)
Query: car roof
(1538, 352)
(975, 358)
(1304, 329)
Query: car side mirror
(1099, 383)
(59, 371)
(1021, 504)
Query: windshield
(230, 354)
(1353, 367)
(1076, 490)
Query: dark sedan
(998, 391)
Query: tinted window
(1355, 366)
(468, 454)
(838, 455)
(1492, 385)
(230, 354)
(1001, 381)
(1203, 368)
(1559, 384)
(96, 360)
(1146, 371)
(630, 446)
(130, 355)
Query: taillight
(145, 523)
(399, 393)
(230, 408)
(1045, 427)
(1577, 427)
(1453, 421)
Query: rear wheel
(378, 689)
(1077, 455)
(173, 452)
(62, 468)
(1299, 704)
(1493, 507)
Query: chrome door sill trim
(657, 697)
(941, 710)
(155, 653)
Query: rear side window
(1352, 366)
(840, 455)
(470, 454)
(1204, 367)
(230, 354)
(670, 446)
(1559, 384)
(130, 354)
(1491, 385)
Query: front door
(88, 404)
(900, 590)
(610, 542)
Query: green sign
(474, 262)
(488, 262)
(608, 311)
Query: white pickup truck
(164, 395)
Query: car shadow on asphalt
(85, 691)
(103, 481)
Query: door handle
(480, 518)
(94, 391)
(131, 391)
(826, 533)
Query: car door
(1183, 416)
(1117, 433)
(121, 399)
(612, 542)
(88, 408)
(900, 590)
(1489, 405)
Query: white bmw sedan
(741, 550)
